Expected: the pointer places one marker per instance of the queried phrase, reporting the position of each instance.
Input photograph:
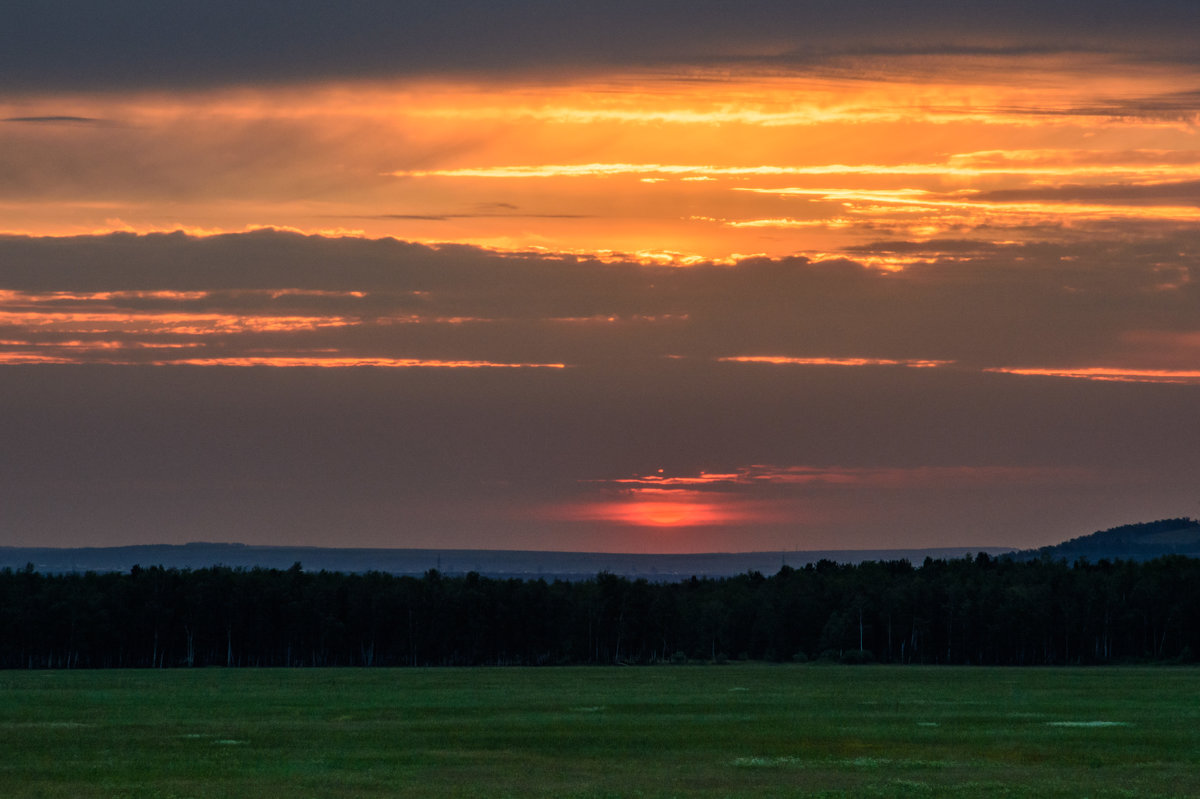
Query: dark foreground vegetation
(979, 610)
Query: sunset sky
(644, 277)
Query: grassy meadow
(733, 730)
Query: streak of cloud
(951, 304)
(54, 120)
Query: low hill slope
(1144, 541)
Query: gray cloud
(1181, 106)
(79, 45)
(55, 120)
(1187, 191)
(978, 304)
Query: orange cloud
(1109, 374)
(966, 165)
(766, 475)
(199, 324)
(982, 212)
(632, 164)
(336, 362)
(781, 360)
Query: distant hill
(489, 563)
(1140, 542)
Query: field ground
(708, 731)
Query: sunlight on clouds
(17, 298)
(966, 165)
(1110, 374)
(982, 212)
(676, 166)
(767, 475)
(148, 327)
(15, 352)
(1033, 90)
(781, 360)
(336, 362)
(767, 493)
(185, 324)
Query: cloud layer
(792, 379)
(1110, 304)
(653, 277)
(66, 44)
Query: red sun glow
(656, 513)
(665, 509)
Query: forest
(975, 610)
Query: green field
(735, 730)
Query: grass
(737, 730)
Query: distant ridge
(1139, 542)
(490, 563)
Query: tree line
(976, 610)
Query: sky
(629, 277)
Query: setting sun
(670, 508)
(670, 513)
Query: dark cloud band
(78, 44)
